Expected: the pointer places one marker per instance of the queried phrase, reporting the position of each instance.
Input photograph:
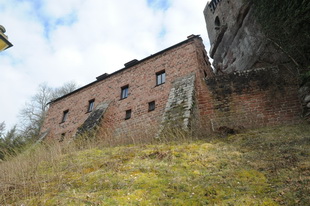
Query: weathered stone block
(307, 98)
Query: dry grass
(268, 166)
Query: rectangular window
(124, 92)
(151, 106)
(65, 116)
(160, 77)
(128, 114)
(91, 104)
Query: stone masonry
(179, 107)
(304, 95)
(94, 119)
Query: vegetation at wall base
(267, 166)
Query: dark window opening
(64, 116)
(160, 77)
(205, 73)
(128, 114)
(217, 23)
(124, 92)
(91, 104)
(151, 106)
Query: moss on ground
(268, 166)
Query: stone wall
(179, 107)
(254, 98)
(304, 94)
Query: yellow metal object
(4, 42)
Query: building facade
(139, 97)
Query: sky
(60, 41)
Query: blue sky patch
(162, 33)
(159, 4)
(67, 20)
(49, 22)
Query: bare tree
(63, 90)
(33, 114)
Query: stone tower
(237, 42)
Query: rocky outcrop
(237, 42)
(304, 93)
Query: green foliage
(287, 23)
(11, 143)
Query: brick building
(176, 87)
(138, 97)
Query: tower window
(160, 77)
(124, 92)
(64, 116)
(128, 114)
(91, 104)
(151, 106)
(217, 23)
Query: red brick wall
(249, 99)
(177, 62)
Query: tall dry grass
(21, 176)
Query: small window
(205, 73)
(65, 116)
(151, 106)
(128, 114)
(91, 104)
(124, 92)
(160, 77)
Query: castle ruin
(177, 87)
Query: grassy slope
(268, 166)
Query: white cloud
(60, 41)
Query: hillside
(268, 166)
